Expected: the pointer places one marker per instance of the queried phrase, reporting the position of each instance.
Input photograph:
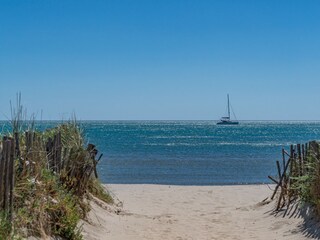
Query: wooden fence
(7, 157)
(294, 164)
(10, 154)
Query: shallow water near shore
(191, 152)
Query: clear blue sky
(169, 59)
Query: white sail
(227, 120)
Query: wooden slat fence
(294, 164)
(7, 157)
(57, 161)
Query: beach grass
(46, 202)
(306, 185)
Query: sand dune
(194, 212)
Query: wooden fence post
(49, 153)
(93, 153)
(2, 164)
(300, 159)
(11, 177)
(6, 175)
(57, 152)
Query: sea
(191, 152)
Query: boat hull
(228, 123)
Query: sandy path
(192, 212)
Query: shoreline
(152, 211)
(192, 185)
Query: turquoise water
(192, 152)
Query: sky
(161, 60)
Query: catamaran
(227, 120)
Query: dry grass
(307, 186)
(50, 203)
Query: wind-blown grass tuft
(50, 203)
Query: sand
(194, 212)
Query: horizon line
(247, 120)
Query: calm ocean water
(192, 152)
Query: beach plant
(315, 184)
(49, 200)
(17, 114)
(61, 198)
(5, 226)
(306, 186)
(47, 209)
(97, 190)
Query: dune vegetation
(299, 177)
(54, 179)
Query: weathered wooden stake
(2, 164)
(6, 175)
(283, 159)
(299, 159)
(11, 178)
(281, 178)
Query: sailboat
(227, 120)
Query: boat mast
(228, 107)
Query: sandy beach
(194, 212)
